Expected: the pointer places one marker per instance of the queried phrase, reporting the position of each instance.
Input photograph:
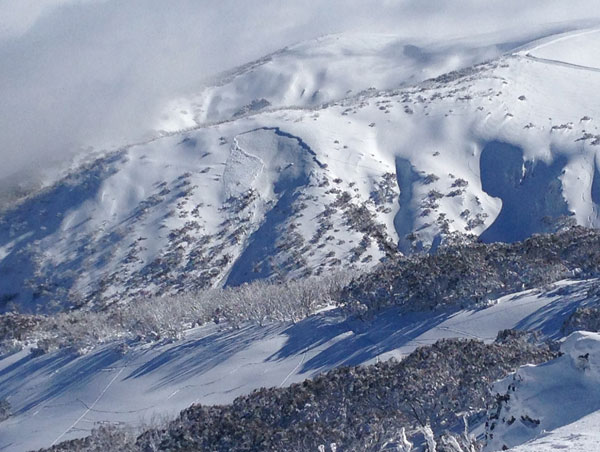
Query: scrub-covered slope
(64, 394)
(504, 149)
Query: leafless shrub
(168, 317)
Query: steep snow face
(531, 192)
(539, 399)
(504, 147)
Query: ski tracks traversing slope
(561, 63)
(89, 408)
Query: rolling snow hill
(327, 69)
(276, 183)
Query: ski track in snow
(282, 384)
(561, 63)
(90, 408)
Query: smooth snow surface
(577, 50)
(61, 395)
(580, 436)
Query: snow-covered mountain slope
(327, 69)
(500, 149)
(61, 395)
(539, 399)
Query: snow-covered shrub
(460, 183)
(429, 438)
(102, 439)
(385, 190)
(401, 442)
(450, 442)
(465, 272)
(5, 410)
(430, 179)
(16, 326)
(583, 319)
(167, 317)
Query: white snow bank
(538, 399)
(580, 436)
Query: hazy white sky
(75, 73)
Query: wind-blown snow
(323, 70)
(76, 74)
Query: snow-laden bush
(103, 439)
(5, 410)
(168, 316)
(17, 326)
(464, 272)
(583, 319)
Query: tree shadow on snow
(200, 355)
(550, 318)
(61, 372)
(357, 341)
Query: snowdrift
(536, 400)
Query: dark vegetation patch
(466, 272)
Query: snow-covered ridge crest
(330, 68)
